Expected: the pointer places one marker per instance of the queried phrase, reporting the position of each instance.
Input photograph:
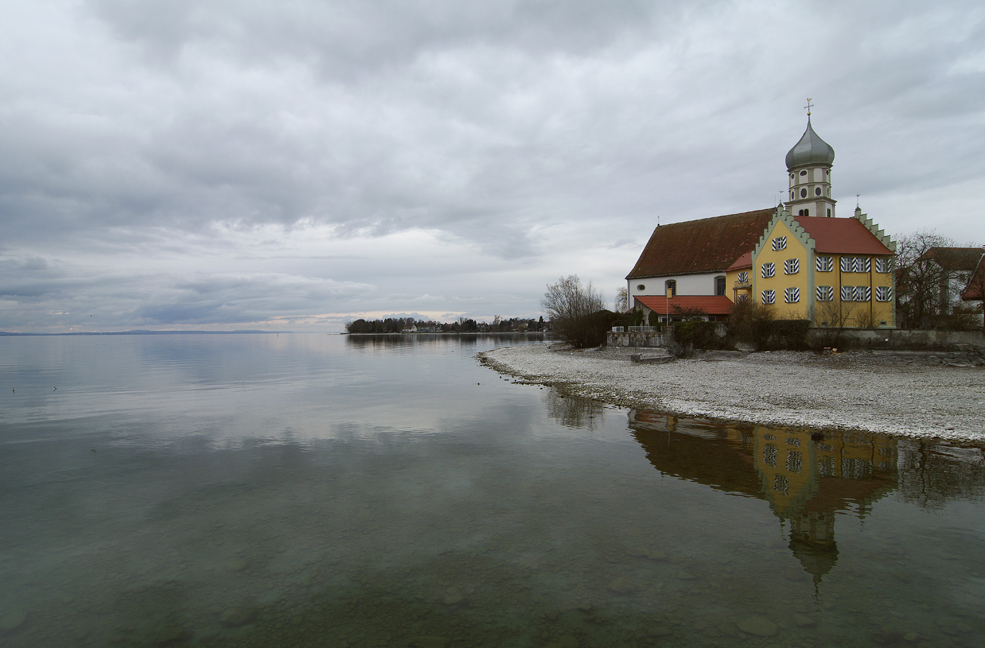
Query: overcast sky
(292, 165)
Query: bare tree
(572, 309)
(918, 283)
(622, 300)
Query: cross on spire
(809, 106)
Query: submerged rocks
(12, 620)
(758, 626)
(238, 616)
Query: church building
(797, 258)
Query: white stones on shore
(878, 393)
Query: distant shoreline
(142, 332)
(900, 395)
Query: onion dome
(811, 149)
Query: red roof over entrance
(708, 304)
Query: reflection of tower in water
(809, 477)
(806, 478)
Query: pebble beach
(915, 395)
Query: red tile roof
(973, 292)
(706, 245)
(743, 262)
(954, 259)
(841, 236)
(708, 304)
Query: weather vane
(809, 106)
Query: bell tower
(809, 169)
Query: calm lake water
(313, 490)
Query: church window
(884, 265)
(769, 455)
(817, 191)
(641, 287)
(791, 295)
(743, 277)
(803, 193)
(719, 285)
(807, 212)
(781, 483)
(884, 294)
(769, 270)
(826, 467)
(824, 264)
(825, 293)
(671, 285)
(829, 212)
(769, 296)
(795, 461)
(780, 243)
(803, 173)
(791, 266)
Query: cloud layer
(293, 165)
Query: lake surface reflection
(309, 490)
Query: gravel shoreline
(912, 395)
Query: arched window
(719, 285)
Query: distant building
(812, 265)
(953, 267)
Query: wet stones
(758, 626)
(12, 620)
(238, 616)
(429, 641)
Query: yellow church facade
(835, 272)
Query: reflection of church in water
(805, 480)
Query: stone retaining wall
(852, 338)
(658, 339)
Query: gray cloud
(224, 163)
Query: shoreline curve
(902, 395)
